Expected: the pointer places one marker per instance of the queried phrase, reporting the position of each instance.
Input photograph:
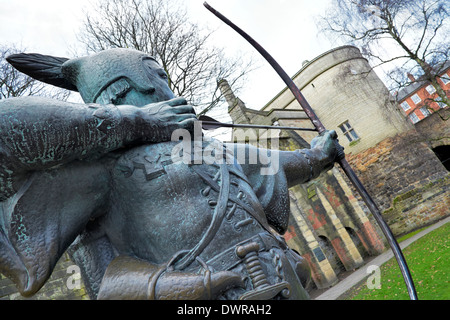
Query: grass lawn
(429, 262)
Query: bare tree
(403, 36)
(162, 29)
(13, 83)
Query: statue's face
(158, 91)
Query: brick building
(419, 100)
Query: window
(416, 99)
(414, 118)
(405, 106)
(431, 89)
(425, 111)
(348, 131)
(445, 78)
(440, 102)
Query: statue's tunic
(162, 208)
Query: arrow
(341, 156)
(209, 123)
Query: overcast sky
(285, 28)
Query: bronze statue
(101, 180)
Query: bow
(341, 155)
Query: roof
(305, 65)
(419, 83)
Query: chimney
(411, 77)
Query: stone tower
(394, 161)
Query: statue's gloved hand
(327, 142)
(171, 115)
(156, 122)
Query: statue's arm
(38, 133)
(43, 132)
(299, 166)
(272, 172)
(303, 165)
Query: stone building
(329, 226)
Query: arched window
(357, 241)
(331, 255)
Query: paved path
(340, 288)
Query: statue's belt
(247, 252)
(255, 210)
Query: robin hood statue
(100, 180)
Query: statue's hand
(164, 118)
(327, 142)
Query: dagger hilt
(249, 253)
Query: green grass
(428, 259)
(409, 235)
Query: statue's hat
(89, 75)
